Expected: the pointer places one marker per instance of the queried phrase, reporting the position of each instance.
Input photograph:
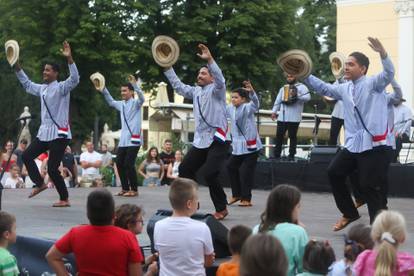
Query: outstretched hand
(248, 86)
(67, 52)
(205, 53)
(132, 79)
(376, 45)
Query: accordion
(290, 94)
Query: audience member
(91, 161)
(71, 164)
(19, 152)
(152, 168)
(167, 157)
(14, 180)
(280, 219)
(184, 245)
(66, 175)
(172, 172)
(357, 240)
(99, 248)
(8, 263)
(261, 255)
(317, 259)
(106, 156)
(7, 153)
(389, 231)
(236, 238)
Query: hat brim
(296, 62)
(165, 51)
(98, 81)
(12, 50)
(337, 58)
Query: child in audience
(184, 245)
(357, 240)
(280, 219)
(317, 259)
(8, 263)
(388, 232)
(261, 255)
(100, 248)
(236, 238)
(14, 180)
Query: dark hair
(55, 66)
(181, 191)
(24, 141)
(6, 222)
(362, 59)
(129, 85)
(126, 214)
(100, 207)
(167, 141)
(242, 93)
(237, 236)
(263, 254)
(279, 207)
(149, 157)
(358, 239)
(318, 257)
(204, 66)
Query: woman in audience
(318, 258)
(5, 155)
(280, 219)
(172, 172)
(357, 240)
(151, 168)
(388, 232)
(262, 255)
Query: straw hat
(165, 51)
(98, 81)
(337, 61)
(296, 62)
(12, 51)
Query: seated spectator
(389, 232)
(8, 263)
(91, 161)
(106, 156)
(167, 156)
(280, 219)
(172, 172)
(357, 240)
(261, 255)
(66, 175)
(28, 182)
(152, 168)
(99, 248)
(184, 245)
(5, 155)
(129, 217)
(14, 180)
(71, 164)
(317, 259)
(236, 238)
(19, 152)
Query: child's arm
(55, 259)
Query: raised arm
(111, 101)
(214, 69)
(29, 86)
(185, 90)
(322, 88)
(381, 80)
(137, 89)
(73, 80)
(394, 98)
(253, 106)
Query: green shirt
(309, 274)
(8, 263)
(293, 239)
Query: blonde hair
(388, 231)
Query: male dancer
(402, 126)
(54, 132)
(130, 142)
(209, 145)
(366, 121)
(290, 114)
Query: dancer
(246, 143)
(54, 132)
(130, 142)
(209, 148)
(288, 112)
(366, 121)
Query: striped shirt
(132, 110)
(291, 112)
(57, 97)
(8, 263)
(209, 104)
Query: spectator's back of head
(237, 236)
(126, 215)
(357, 240)
(6, 224)
(182, 190)
(100, 207)
(318, 257)
(263, 254)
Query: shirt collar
(358, 81)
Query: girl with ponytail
(388, 232)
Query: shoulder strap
(201, 114)
(125, 120)
(48, 111)
(362, 121)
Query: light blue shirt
(367, 94)
(132, 110)
(244, 117)
(212, 99)
(402, 120)
(57, 97)
(392, 99)
(291, 112)
(341, 268)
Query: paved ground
(36, 218)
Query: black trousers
(336, 125)
(125, 163)
(212, 159)
(241, 170)
(398, 146)
(56, 150)
(292, 129)
(372, 167)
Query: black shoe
(291, 158)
